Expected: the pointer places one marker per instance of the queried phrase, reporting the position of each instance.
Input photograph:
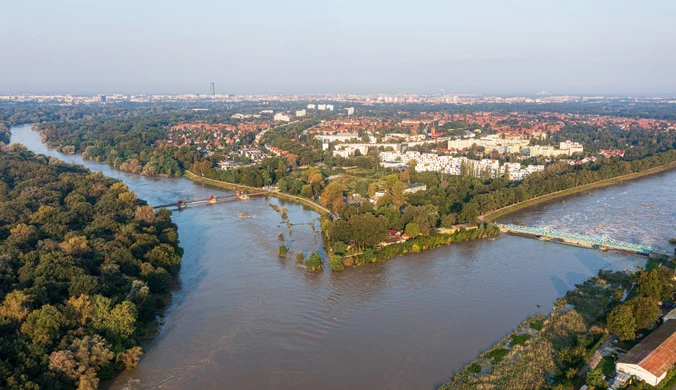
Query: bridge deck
(207, 200)
(602, 242)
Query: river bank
(493, 215)
(550, 350)
(238, 187)
(245, 318)
(414, 245)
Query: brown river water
(241, 317)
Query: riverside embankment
(245, 318)
(493, 215)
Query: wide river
(244, 318)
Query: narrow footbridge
(181, 204)
(599, 242)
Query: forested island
(84, 268)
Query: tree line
(84, 265)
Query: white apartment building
(566, 148)
(340, 137)
(311, 106)
(282, 117)
(571, 147)
(491, 142)
(350, 110)
(349, 150)
(301, 113)
(453, 165)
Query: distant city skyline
(485, 47)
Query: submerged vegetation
(314, 262)
(84, 266)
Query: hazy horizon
(486, 47)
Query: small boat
(242, 215)
(244, 197)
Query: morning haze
(488, 47)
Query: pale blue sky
(299, 46)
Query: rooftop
(657, 352)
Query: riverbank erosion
(85, 267)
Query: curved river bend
(243, 318)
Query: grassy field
(492, 216)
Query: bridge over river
(181, 204)
(599, 242)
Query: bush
(519, 339)
(474, 368)
(337, 263)
(283, 250)
(339, 248)
(497, 355)
(315, 262)
(595, 378)
(672, 241)
(300, 257)
(413, 230)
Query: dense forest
(637, 143)
(4, 134)
(131, 145)
(84, 265)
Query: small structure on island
(650, 359)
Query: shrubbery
(314, 262)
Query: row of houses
(455, 165)
(516, 145)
